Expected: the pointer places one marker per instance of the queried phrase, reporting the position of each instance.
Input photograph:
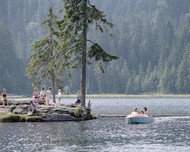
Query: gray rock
(21, 109)
(19, 102)
(58, 110)
(44, 109)
(61, 117)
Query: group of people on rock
(143, 111)
(44, 96)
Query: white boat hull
(139, 119)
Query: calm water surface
(107, 134)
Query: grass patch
(94, 116)
(19, 118)
(91, 116)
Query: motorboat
(139, 119)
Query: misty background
(151, 37)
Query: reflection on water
(98, 135)
(107, 134)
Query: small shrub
(94, 116)
(79, 112)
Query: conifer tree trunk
(53, 73)
(83, 70)
(53, 88)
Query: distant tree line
(152, 38)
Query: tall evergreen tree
(43, 65)
(79, 15)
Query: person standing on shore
(43, 95)
(35, 93)
(48, 96)
(59, 95)
(78, 102)
(4, 97)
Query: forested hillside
(151, 37)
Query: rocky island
(17, 111)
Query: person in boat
(134, 111)
(145, 110)
(59, 95)
(43, 95)
(78, 102)
(4, 97)
(142, 111)
(48, 96)
(36, 95)
(31, 108)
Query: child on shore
(31, 108)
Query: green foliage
(78, 18)
(94, 116)
(100, 55)
(149, 32)
(79, 111)
(91, 116)
(44, 65)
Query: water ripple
(108, 134)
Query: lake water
(106, 134)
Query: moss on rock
(19, 118)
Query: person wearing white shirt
(48, 96)
(134, 112)
(59, 95)
(43, 95)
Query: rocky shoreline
(17, 110)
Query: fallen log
(154, 115)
